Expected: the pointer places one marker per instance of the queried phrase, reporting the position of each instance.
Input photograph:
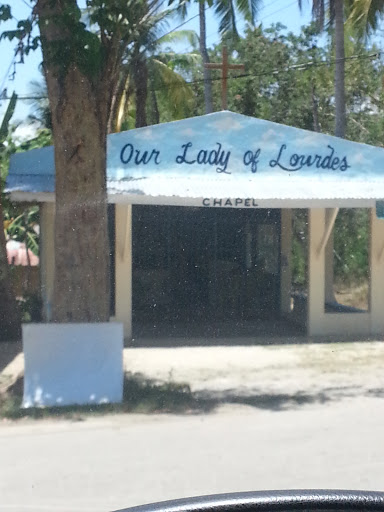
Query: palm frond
(178, 36)
(182, 61)
(318, 12)
(32, 242)
(225, 10)
(172, 86)
(366, 15)
(7, 117)
(250, 9)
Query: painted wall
(377, 275)
(345, 325)
(123, 266)
(319, 323)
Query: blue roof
(222, 155)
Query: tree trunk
(315, 109)
(340, 116)
(115, 120)
(28, 267)
(81, 289)
(80, 120)
(141, 92)
(154, 107)
(10, 320)
(205, 57)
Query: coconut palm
(334, 10)
(225, 11)
(40, 111)
(150, 74)
(366, 15)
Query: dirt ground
(277, 374)
(317, 372)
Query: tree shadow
(145, 396)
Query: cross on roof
(224, 66)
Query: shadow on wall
(8, 352)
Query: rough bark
(340, 116)
(205, 58)
(10, 321)
(80, 106)
(81, 289)
(315, 109)
(141, 92)
(155, 107)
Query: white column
(47, 257)
(316, 271)
(286, 261)
(329, 275)
(123, 306)
(377, 274)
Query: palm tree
(40, 111)
(335, 11)
(150, 74)
(225, 10)
(365, 15)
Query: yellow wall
(377, 275)
(344, 324)
(123, 273)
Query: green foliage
(226, 12)
(24, 228)
(5, 12)
(6, 148)
(299, 248)
(4, 127)
(351, 245)
(288, 80)
(366, 16)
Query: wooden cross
(224, 66)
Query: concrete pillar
(47, 257)
(316, 271)
(286, 261)
(377, 274)
(328, 255)
(123, 307)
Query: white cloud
(310, 139)
(144, 133)
(226, 123)
(188, 132)
(359, 159)
(269, 134)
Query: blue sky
(272, 11)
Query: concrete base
(67, 364)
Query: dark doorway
(202, 267)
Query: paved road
(306, 416)
(108, 463)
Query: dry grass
(140, 395)
(355, 295)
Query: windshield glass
(191, 252)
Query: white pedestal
(67, 364)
